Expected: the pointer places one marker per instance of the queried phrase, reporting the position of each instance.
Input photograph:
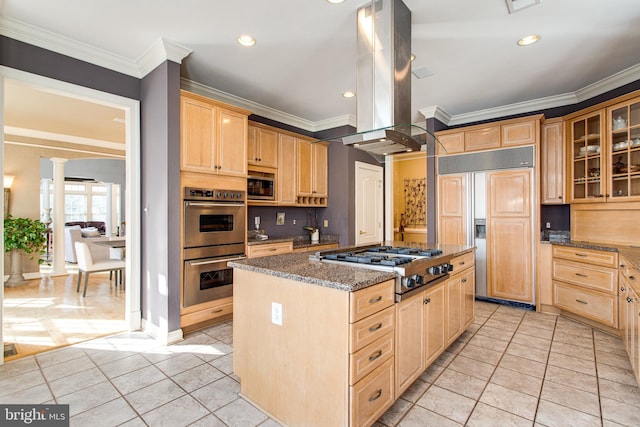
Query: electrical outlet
(276, 313)
(326, 223)
(548, 225)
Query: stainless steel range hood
(384, 81)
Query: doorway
(131, 119)
(369, 203)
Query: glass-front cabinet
(586, 139)
(623, 156)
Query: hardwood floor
(48, 313)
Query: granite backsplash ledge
(555, 236)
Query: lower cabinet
(630, 313)
(585, 283)
(428, 322)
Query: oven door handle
(209, 204)
(215, 261)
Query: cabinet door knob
(427, 301)
(622, 289)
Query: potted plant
(22, 235)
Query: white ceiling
(304, 57)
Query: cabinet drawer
(370, 357)
(256, 251)
(463, 262)
(370, 300)
(603, 258)
(586, 275)
(371, 328)
(206, 314)
(372, 395)
(590, 304)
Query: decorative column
(58, 217)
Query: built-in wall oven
(214, 233)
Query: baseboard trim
(162, 337)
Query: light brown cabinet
(451, 209)
(623, 151)
(410, 341)
(312, 170)
(585, 282)
(262, 147)
(630, 313)
(213, 136)
(482, 139)
(520, 133)
(585, 136)
(450, 143)
(434, 324)
(268, 249)
(286, 189)
(509, 235)
(552, 162)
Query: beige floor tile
(75, 382)
(527, 352)
(136, 380)
(498, 324)
(576, 364)
(583, 340)
(38, 394)
(613, 359)
(218, 393)
(154, 395)
(553, 415)
(507, 317)
(488, 416)
(240, 413)
(535, 331)
(460, 383)
(472, 367)
(180, 363)
(511, 401)
(571, 397)
(567, 377)
(445, 358)
(209, 421)
(431, 373)
(394, 414)
(522, 365)
(421, 417)
(629, 394)
(495, 333)
(448, 404)
(517, 381)
(195, 378)
(125, 365)
(488, 342)
(415, 390)
(89, 398)
(528, 340)
(612, 373)
(481, 354)
(176, 413)
(572, 350)
(112, 413)
(621, 413)
(19, 382)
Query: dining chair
(86, 265)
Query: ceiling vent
(517, 5)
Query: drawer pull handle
(273, 249)
(582, 255)
(216, 311)
(581, 302)
(464, 280)
(376, 396)
(581, 275)
(375, 300)
(375, 356)
(375, 328)
(427, 301)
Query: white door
(369, 203)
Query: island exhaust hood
(383, 106)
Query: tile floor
(511, 367)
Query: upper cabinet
(286, 189)
(585, 135)
(312, 173)
(623, 153)
(262, 147)
(213, 136)
(552, 162)
(506, 133)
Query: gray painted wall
(160, 149)
(104, 170)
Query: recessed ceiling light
(527, 40)
(246, 40)
(412, 57)
(348, 94)
(335, 1)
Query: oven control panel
(211, 194)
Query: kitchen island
(315, 343)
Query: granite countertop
(631, 254)
(303, 268)
(300, 241)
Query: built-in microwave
(261, 186)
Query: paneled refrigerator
(487, 200)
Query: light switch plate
(276, 313)
(326, 223)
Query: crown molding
(51, 136)
(621, 78)
(435, 112)
(162, 50)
